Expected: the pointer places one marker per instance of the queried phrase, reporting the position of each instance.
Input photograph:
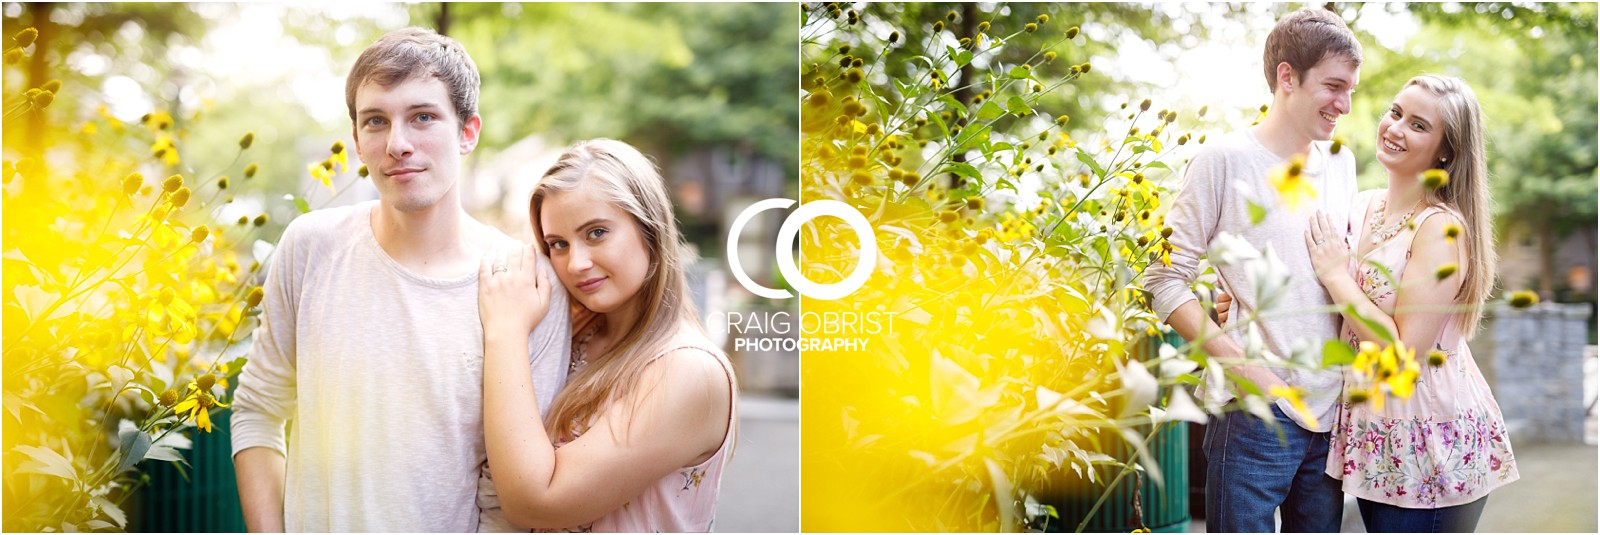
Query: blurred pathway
(761, 487)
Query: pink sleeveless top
(685, 500)
(1446, 445)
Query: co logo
(785, 249)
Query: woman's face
(1411, 132)
(596, 248)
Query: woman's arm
(1423, 300)
(683, 404)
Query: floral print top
(1446, 445)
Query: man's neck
(1279, 136)
(434, 242)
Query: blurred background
(705, 89)
(1533, 68)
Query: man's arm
(550, 345)
(1192, 323)
(1194, 218)
(267, 395)
(260, 472)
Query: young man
(1312, 64)
(370, 340)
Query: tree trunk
(441, 23)
(1547, 261)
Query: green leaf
(973, 137)
(1337, 353)
(1016, 106)
(112, 511)
(956, 108)
(135, 444)
(989, 111)
(944, 131)
(1157, 165)
(1258, 213)
(45, 461)
(1379, 328)
(1019, 73)
(964, 169)
(1083, 156)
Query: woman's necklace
(580, 350)
(1382, 232)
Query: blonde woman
(1425, 463)
(638, 438)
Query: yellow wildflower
(1291, 183)
(1293, 395)
(1435, 178)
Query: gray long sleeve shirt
(380, 371)
(1218, 183)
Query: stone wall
(1533, 359)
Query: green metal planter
(206, 502)
(1164, 509)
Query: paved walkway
(761, 487)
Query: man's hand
(1224, 306)
(513, 293)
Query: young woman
(638, 438)
(1425, 463)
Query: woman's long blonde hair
(1468, 189)
(628, 180)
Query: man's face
(411, 141)
(1318, 98)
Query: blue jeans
(1250, 472)
(1385, 518)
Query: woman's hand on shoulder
(513, 292)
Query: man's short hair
(1304, 38)
(410, 53)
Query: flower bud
(172, 183)
(1030, 27)
(13, 56)
(1445, 271)
(132, 183)
(938, 26)
(250, 171)
(180, 197)
(247, 140)
(205, 382)
(200, 233)
(983, 26)
(1072, 32)
(254, 297)
(1042, 18)
(1435, 178)
(26, 37)
(260, 220)
(1524, 299)
(1436, 357)
(43, 99)
(894, 37)
(222, 183)
(363, 171)
(169, 398)
(338, 147)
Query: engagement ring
(498, 269)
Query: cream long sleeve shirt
(380, 372)
(1219, 182)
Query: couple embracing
(1425, 463)
(438, 376)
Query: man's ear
(1286, 77)
(469, 133)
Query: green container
(1165, 510)
(208, 501)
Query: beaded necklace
(580, 350)
(1382, 232)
